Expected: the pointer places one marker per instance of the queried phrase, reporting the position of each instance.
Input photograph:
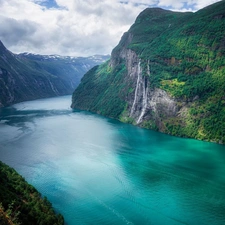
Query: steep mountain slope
(20, 203)
(26, 76)
(167, 73)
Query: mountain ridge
(29, 76)
(167, 73)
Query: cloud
(74, 27)
(11, 29)
(185, 5)
(203, 3)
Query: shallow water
(96, 170)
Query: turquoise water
(96, 170)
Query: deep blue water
(97, 170)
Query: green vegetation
(185, 54)
(103, 87)
(20, 203)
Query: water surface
(96, 170)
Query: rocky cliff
(167, 73)
(27, 77)
(144, 102)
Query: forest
(21, 203)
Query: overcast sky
(75, 27)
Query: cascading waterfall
(136, 89)
(145, 96)
(144, 103)
(148, 68)
(52, 87)
(142, 87)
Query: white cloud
(187, 5)
(75, 27)
(203, 3)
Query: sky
(75, 27)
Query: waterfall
(145, 96)
(52, 87)
(136, 89)
(144, 103)
(148, 68)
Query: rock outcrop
(144, 102)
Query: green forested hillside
(188, 61)
(20, 203)
(181, 54)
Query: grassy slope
(102, 91)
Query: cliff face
(143, 103)
(27, 77)
(167, 73)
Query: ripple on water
(99, 171)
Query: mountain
(167, 73)
(28, 76)
(21, 203)
(66, 66)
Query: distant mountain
(167, 73)
(29, 76)
(79, 65)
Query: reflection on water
(99, 171)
